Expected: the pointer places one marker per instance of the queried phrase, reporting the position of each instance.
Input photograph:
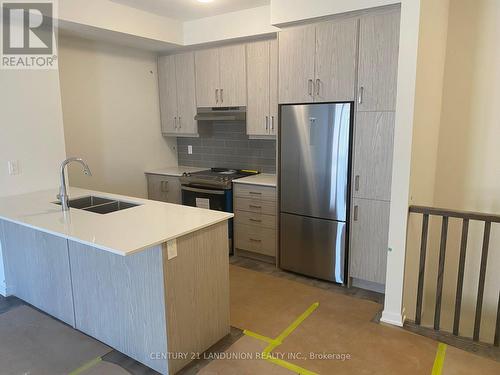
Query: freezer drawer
(313, 247)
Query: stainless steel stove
(212, 189)
(218, 178)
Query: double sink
(98, 205)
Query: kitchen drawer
(255, 205)
(252, 218)
(265, 193)
(257, 239)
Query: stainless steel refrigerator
(314, 182)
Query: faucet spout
(63, 191)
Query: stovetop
(214, 177)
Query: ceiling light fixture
(205, 1)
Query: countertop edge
(112, 250)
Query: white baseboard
(395, 319)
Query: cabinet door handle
(253, 206)
(179, 122)
(222, 95)
(267, 123)
(356, 209)
(254, 193)
(255, 240)
(217, 96)
(318, 81)
(175, 122)
(356, 182)
(272, 124)
(310, 84)
(255, 220)
(360, 95)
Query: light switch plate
(171, 249)
(13, 166)
(190, 149)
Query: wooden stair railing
(466, 217)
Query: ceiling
(186, 10)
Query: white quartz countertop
(175, 171)
(263, 179)
(122, 232)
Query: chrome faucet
(63, 193)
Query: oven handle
(198, 190)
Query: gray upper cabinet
(177, 94)
(186, 94)
(262, 86)
(296, 64)
(369, 239)
(373, 150)
(207, 77)
(168, 94)
(233, 89)
(336, 55)
(378, 61)
(318, 62)
(221, 77)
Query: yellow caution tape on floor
(439, 361)
(274, 343)
(86, 366)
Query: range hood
(221, 114)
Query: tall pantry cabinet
(353, 59)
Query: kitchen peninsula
(147, 278)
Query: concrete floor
(264, 301)
(342, 324)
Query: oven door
(213, 199)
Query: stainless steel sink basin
(111, 207)
(98, 205)
(85, 202)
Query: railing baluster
(442, 256)
(497, 330)
(482, 278)
(421, 271)
(460, 279)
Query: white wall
(244, 23)
(115, 17)
(112, 116)
(31, 132)
(468, 167)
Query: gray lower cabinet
(37, 270)
(255, 233)
(164, 188)
(369, 240)
(124, 308)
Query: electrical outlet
(190, 149)
(13, 166)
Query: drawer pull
(254, 206)
(256, 220)
(254, 193)
(255, 240)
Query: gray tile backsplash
(225, 144)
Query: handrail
(492, 218)
(466, 216)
